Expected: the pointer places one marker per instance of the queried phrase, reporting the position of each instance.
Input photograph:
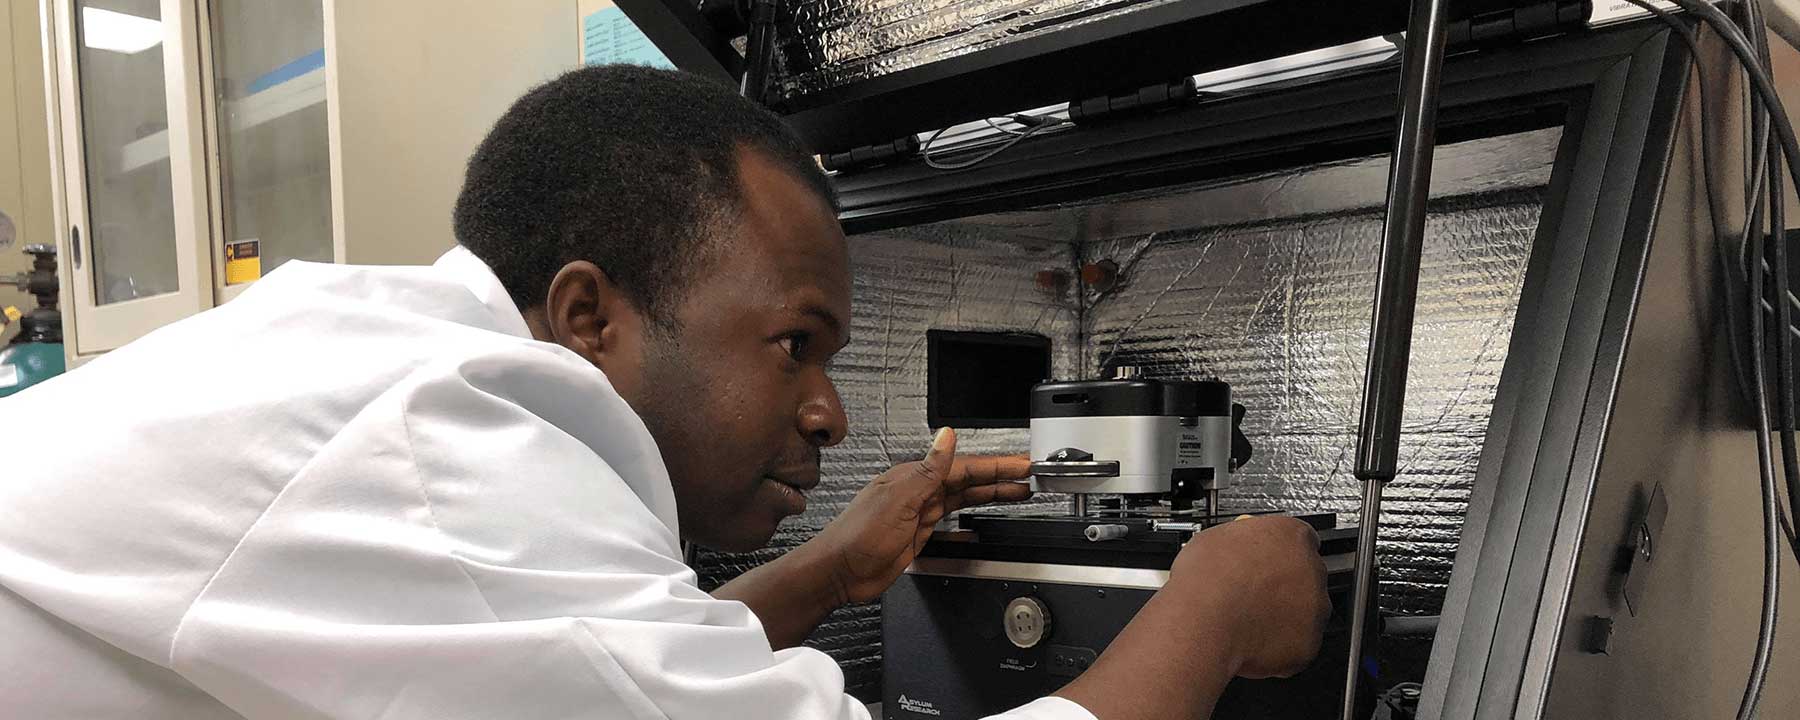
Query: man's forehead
(783, 221)
(781, 252)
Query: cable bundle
(1772, 146)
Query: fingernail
(941, 441)
(1240, 517)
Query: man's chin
(741, 539)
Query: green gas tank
(36, 354)
(26, 364)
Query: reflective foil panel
(829, 43)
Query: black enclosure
(1127, 45)
(1616, 275)
(1616, 95)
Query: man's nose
(822, 418)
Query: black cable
(1733, 275)
(1770, 102)
(1734, 323)
(1784, 356)
(1783, 291)
(1759, 77)
(1784, 372)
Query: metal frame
(212, 135)
(1084, 58)
(1581, 289)
(215, 177)
(1143, 46)
(104, 327)
(678, 29)
(1615, 93)
(1088, 575)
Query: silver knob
(1027, 621)
(1099, 533)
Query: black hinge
(1637, 556)
(1149, 97)
(1519, 24)
(871, 155)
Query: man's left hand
(887, 523)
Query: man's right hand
(1243, 599)
(1275, 579)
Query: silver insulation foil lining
(1265, 282)
(1281, 310)
(829, 43)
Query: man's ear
(588, 314)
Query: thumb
(942, 453)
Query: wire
(997, 126)
(1732, 277)
(1766, 110)
(1784, 377)
(1784, 310)
(1033, 125)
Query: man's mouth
(800, 482)
(794, 486)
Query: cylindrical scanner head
(1130, 436)
(1142, 446)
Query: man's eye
(795, 345)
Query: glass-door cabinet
(198, 145)
(265, 75)
(192, 153)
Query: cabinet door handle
(75, 245)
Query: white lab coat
(360, 492)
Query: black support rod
(1396, 293)
(759, 50)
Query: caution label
(243, 261)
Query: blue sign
(608, 37)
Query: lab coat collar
(464, 267)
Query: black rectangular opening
(983, 379)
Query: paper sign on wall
(608, 37)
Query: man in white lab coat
(459, 491)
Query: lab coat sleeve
(477, 543)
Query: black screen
(983, 379)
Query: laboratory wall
(24, 149)
(399, 145)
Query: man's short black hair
(632, 168)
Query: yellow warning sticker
(243, 261)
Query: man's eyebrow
(830, 320)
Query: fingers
(993, 492)
(988, 469)
(942, 455)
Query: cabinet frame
(104, 327)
